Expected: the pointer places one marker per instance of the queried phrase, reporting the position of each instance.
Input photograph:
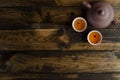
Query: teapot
(100, 15)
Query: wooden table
(37, 42)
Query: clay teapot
(100, 15)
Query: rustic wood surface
(32, 17)
(50, 2)
(55, 39)
(67, 62)
(37, 42)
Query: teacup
(94, 37)
(79, 24)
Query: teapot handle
(86, 4)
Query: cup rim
(97, 32)
(83, 20)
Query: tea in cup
(79, 24)
(94, 37)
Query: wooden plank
(34, 3)
(50, 2)
(67, 14)
(109, 34)
(28, 16)
(37, 76)
(65, 62)
(33, 76)
(52, 39)
(56, 46)
(102, 46)
(30, 39)
(15, 17)
(79, 2)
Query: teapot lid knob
(101, 12)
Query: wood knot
(64, 38)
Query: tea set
(99, 15)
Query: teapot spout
(86, 4)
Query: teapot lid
(100, 15)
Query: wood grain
(15, 17)
(27, 16)
(34, 3)
(79, 2)
(53, 39)
(73, 76)
(29, 38)
(38, 42)
(37, 3)
(65, 62)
